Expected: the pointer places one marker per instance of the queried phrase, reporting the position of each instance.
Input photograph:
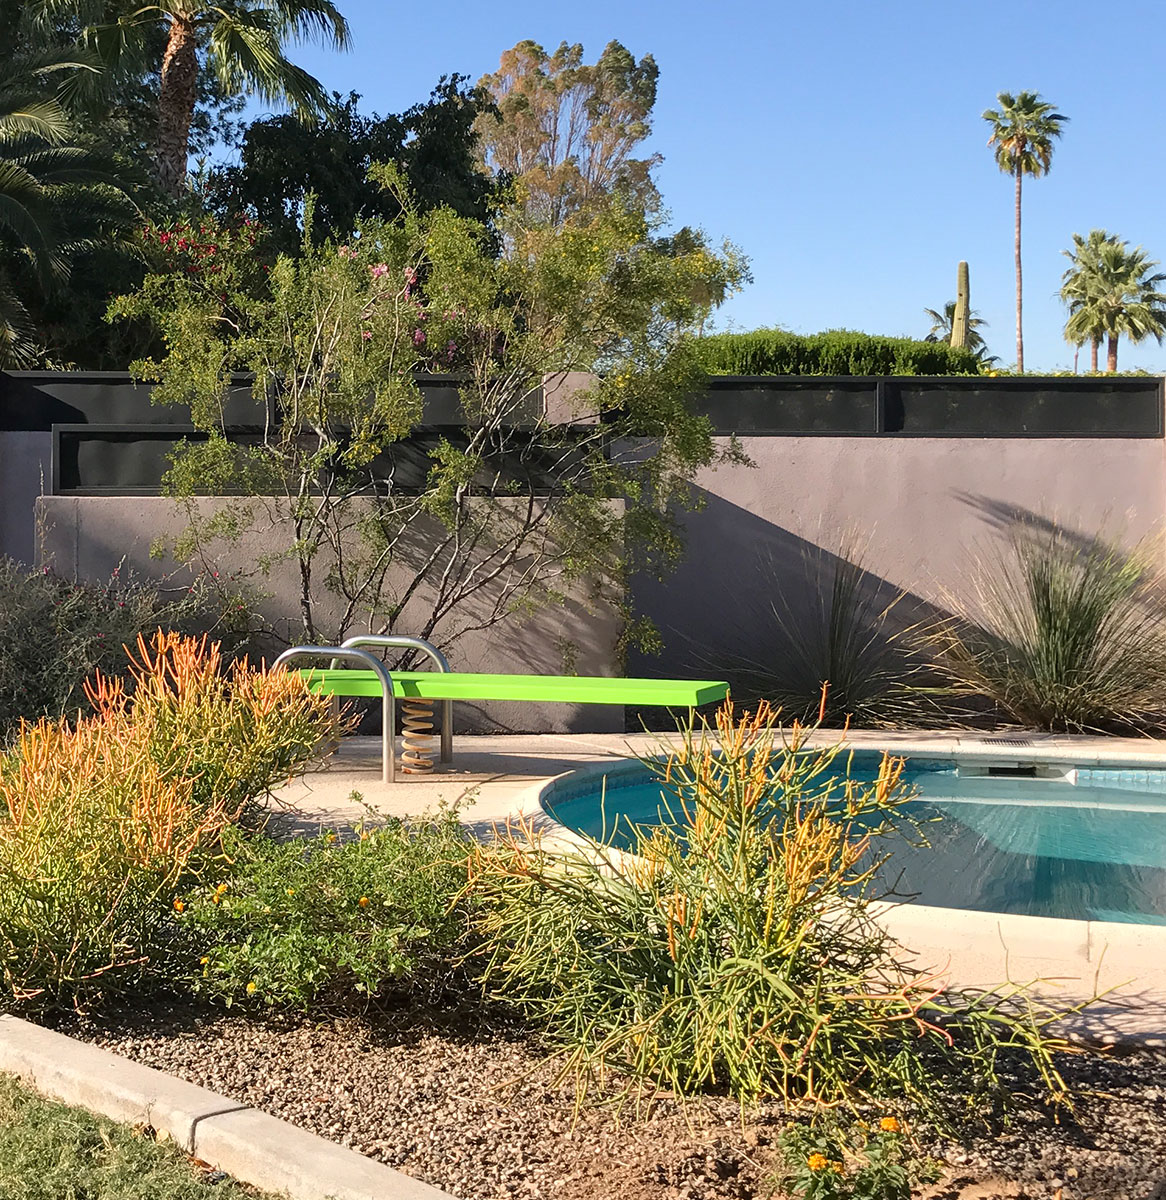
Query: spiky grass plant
(828, 627)
(1062, 634)
(737, 948)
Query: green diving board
(371, 678)
(564, 689)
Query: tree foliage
(284, 160)
(1111, 290)
(566, 132)
(57, 199)
(941, 325)
(438, 534)
(240, 43)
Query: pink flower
(418, 337)
(367, 335)
(379, 270)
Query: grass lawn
(49, 1151)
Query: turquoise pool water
(1090, 845)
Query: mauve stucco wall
(87, 536)
(25, 471)
(922, 506)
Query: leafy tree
(439, 535)
(1023, 131)
(565, 132)
(56, 200)
(1110, 290)
(941, 324)
(284, 160)
(240, 42)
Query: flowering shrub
(336, 919)
(877, 1165)
(104, 823)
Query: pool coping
(1063, 961)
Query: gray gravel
(480, 1114)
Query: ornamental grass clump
(1062, 634)
(736, 948)
(103, 823)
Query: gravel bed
(479, 1113)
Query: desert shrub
(736, 947)
(1060, 633)
(104, 822)
(835, 352)
(827, 642)
(54, 633)
(339, 919)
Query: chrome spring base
(417, 736)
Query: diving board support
(374, 664)
(404, 642)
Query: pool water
(1089, 846)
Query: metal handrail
(389, 710)
(404, 642)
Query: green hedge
(835, 352)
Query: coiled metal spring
(417, 736)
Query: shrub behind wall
(835, 352)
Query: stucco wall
(923, 507)
(87, 536)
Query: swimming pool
(1040, 840)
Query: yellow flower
(291, 891)
(890, 1125)
(817, 1162)
(363, 902)
(252, 987)
(330, 838)
(220, 889)
(204, 960)
(838, 1168)
(179, 906)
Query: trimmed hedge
(835, 352)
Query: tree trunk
(1111, 356)
(176, 103)
(1093, 348)
(1019, 285)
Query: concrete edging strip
(250, 1145)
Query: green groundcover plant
(343, 918)
(737, 948)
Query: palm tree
(1111, 291)
(55, 199)
(941, 324)
(1077, 286)
(1023, 129)
(241, 41)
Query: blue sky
(840, 144)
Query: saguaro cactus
(963, 308)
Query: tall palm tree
(55, 199)
(1112, 290)
(241, 41)
(941, 325)
(1023, 130)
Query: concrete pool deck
(498, 777)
